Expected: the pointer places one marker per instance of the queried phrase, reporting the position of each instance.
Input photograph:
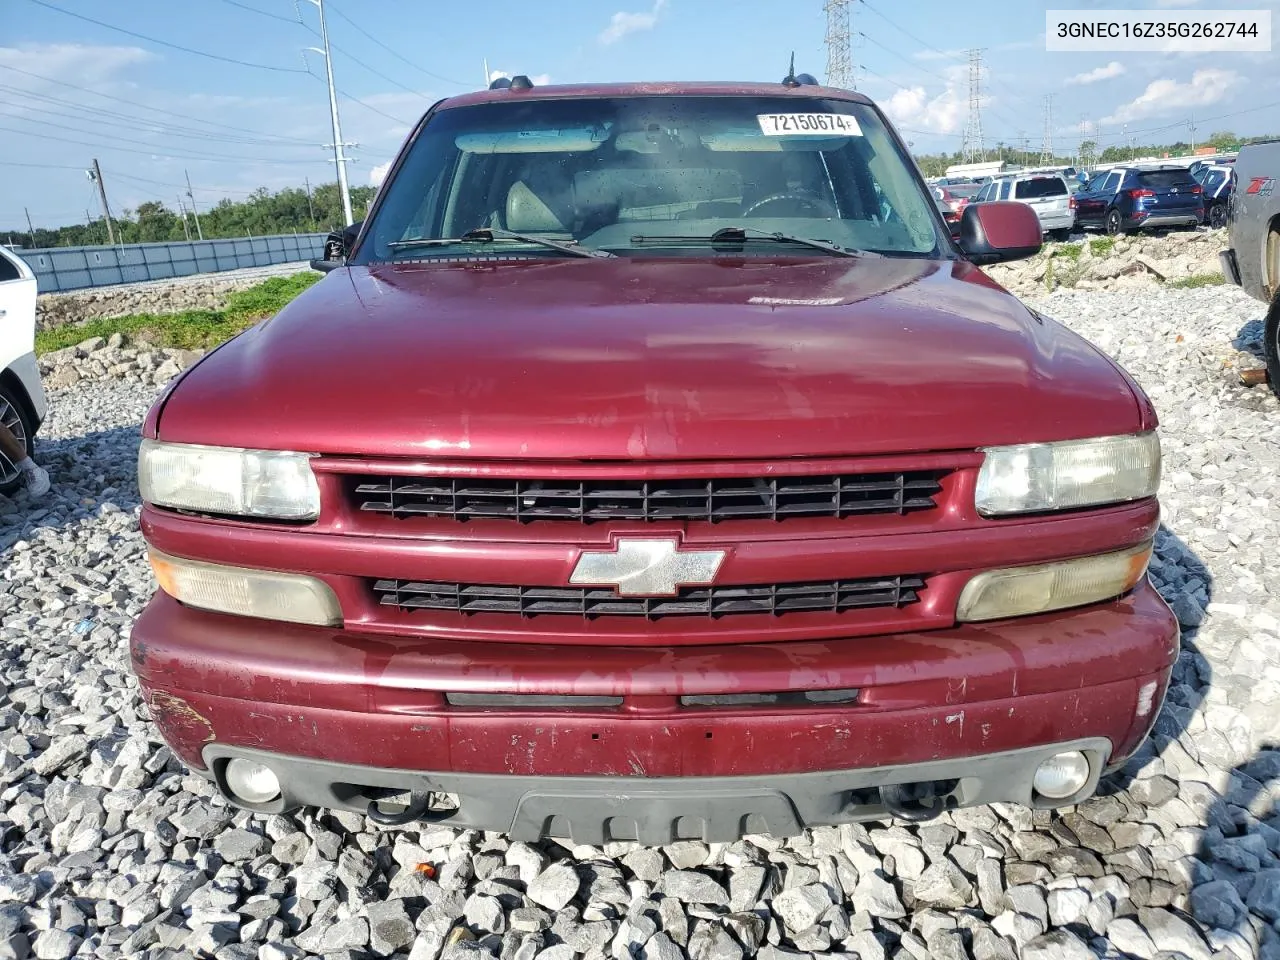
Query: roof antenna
(790, 79)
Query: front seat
(529, 213)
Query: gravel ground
(108, 849)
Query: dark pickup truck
(1252, 262)
(654, 465)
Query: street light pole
(339, 158)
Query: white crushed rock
(109, 849)
(1138, 262)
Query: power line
(312, 30)
(166, 43)
(41, 166)
(114, 118)
(1014, 95)
(144, 106)
(179, 186)
(372, 39)
(895, 83)
(150, 153)
(905, 59)
(369, 106)
(264, 13)
(157, 150)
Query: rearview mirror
(999, 231)
(337, 247)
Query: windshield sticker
(788, 302)
(808, 124)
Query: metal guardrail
(76, 268)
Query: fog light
(251, 781)
(1061, 775)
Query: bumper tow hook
(415, 810)
(901, 801)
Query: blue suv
(1134, 198)
(1215, 181)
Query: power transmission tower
(340, 159)
(1046, 146)
(972, 147)
(95, 175)
(194, 212)
(840, 71)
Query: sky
(222, 90)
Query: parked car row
(1119, 200)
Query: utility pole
(339, 158)
(30, 228)
(972, 146)
(96, 176)
(194, 212)
(1046, 145)
(311, 212)
(840, 71)
(1191, 127)
(182, 209)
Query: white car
(22, 402)
(1045, 193)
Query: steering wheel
(816, 205)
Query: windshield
(601, 172)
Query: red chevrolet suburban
(653, 465)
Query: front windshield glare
(650, 176)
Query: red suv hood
(663, 359)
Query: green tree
(1225, 140)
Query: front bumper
(658, 811)
(344, 713)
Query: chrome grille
(587, 501)
(830, 596)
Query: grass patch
(190, 329)
(1197, 280)
(1070, 251)
(1101, 246)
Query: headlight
(1035, 477)
(1019, 591)
(248, 593)
(228, 480)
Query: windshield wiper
(730, 235)
(489, 235)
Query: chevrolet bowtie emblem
(646, 568)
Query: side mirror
(337, 247)
(999, 231)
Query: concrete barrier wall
(75, 268)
